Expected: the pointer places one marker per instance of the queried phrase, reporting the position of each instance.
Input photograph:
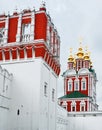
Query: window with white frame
(26, 32)
(76, 85)
(73, 106)
(70, 85)
(83, 84)
(82, 105)
(1, 35)
(45, 89)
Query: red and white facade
(30, 51)
(29, 33)
(79, 84)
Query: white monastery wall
(31, 107)
(5, 97)
(85, 123)
(62, 121)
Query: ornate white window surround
(26, 32)
(27, 29)
(70, 85)
(76, 84)
(73, 106)
(83, 84)
(82, 105)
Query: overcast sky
(73, 18)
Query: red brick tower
(29, 33)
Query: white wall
(35, 110)
(62, 121)
(85, 123)
(5, 91)
(48, 107)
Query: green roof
(92, 70)
(74, 94)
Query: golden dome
(80, 52)
(86, 55)
(70, 58)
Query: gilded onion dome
(87, 55)
(80, 52)
(70, 58)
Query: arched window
(26, 32)
(70, 85)
(82, 105)
(73, 106)
(83, 84)
(76, 84)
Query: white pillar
(48, 34)
(18, 55)
(6, 30)
(32, 26)
(10, 52)
(18, 36)
(3, 55)
(33, 52)
(25, 53)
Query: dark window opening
(82, 109)
(18, 112)
(73, 108)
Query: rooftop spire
(87, 54)
(70, 58)
(80, 52)
(43, 6)
(80, 39)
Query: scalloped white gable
(83, 71)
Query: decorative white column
(25, 53)
(33, 52)
(10, 53)
(18, 55)
(6, 30)
(48, 34)
(51, 46)
(3, 55)
(32, 26)
(18, 36)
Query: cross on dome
(43, 4)
(70, 58)
(80, 40)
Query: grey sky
(73, 18)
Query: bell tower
(79, 83)
(30, 50)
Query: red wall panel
(40, 26)
(12, 29)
